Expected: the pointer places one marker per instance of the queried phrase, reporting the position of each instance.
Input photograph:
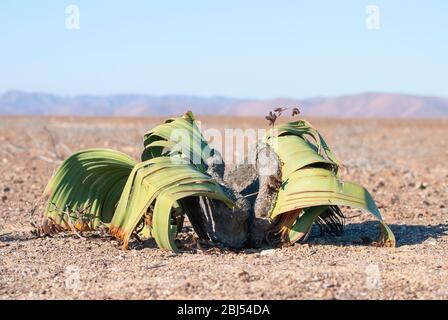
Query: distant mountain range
(360, 105)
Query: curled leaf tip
(295, 112)
(386, 237)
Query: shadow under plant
(364, 233)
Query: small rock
(422, 185)
(328, 295)
(395, 199)
(6, 189)
(268, 252)
(4, 198)
(380, 184)
(243, 273)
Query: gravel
(403, 163)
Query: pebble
(422, 185)
(395, 199)
(380, 184)
(268, 252)
(242, 273)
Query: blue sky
(244, 48)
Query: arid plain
(402, 162)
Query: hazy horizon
(361, 105)
(219, 96)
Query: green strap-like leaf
(312, 187)
(166, 200)
(90, 181)
(160, 181)
(178, 135)
(296, 153)
(303, 129)
(303, 224)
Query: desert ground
(402, 162)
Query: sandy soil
(403, 163)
